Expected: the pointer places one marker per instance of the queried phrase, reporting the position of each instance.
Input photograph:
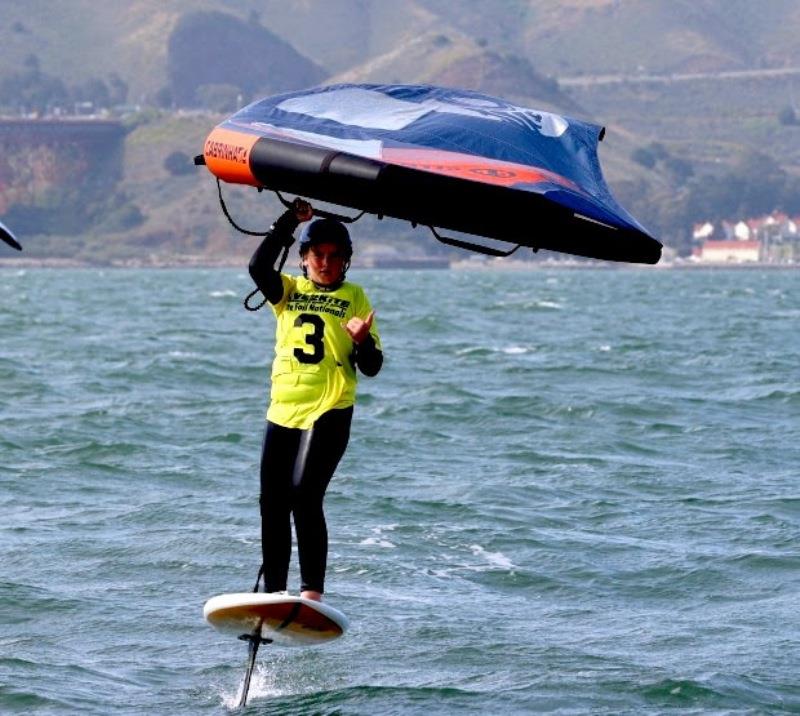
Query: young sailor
(325, 332)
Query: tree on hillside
(754, 185)
(117, 89)
(679, 169)
(31, 90)
(764, 181)
(644, 156)
(93, 91)
(178, 164)
(788, 116)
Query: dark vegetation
(788, 116)
(69, 213)
(33, 91)
(753, 186)
(217, 61)
(179, 164)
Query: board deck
(281, 618)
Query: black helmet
(323, 231)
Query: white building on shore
(773, 239)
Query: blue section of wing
(373, 120)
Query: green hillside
(573, 37)
(84, 38)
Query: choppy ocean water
(567, 492)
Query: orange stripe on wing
(467, 166)
(227, 155)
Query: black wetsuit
(297, 464)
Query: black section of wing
(8, 237)
(421, 197)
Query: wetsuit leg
(319, 453)
(278, 454)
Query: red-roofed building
(774, 238)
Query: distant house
(741, 231)
(735, 231)
(703, 231)
(780, 239)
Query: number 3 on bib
(313, 339)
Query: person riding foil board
(325, 334)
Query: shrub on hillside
(644, 156)
(788, 116)
(178, 164)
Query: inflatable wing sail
(444, 158)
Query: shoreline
(421, 264)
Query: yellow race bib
(314, 370)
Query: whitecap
(495, 559)
(184, 355)
(227, 293)
(377, 542)
(514, 350)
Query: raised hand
(303, 211)
(358, 328)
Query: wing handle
(322, 212)
(469, 246)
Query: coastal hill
(692, 93)
(84, 38)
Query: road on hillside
(588, 80)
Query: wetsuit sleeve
(262, 264)
(368, 357)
